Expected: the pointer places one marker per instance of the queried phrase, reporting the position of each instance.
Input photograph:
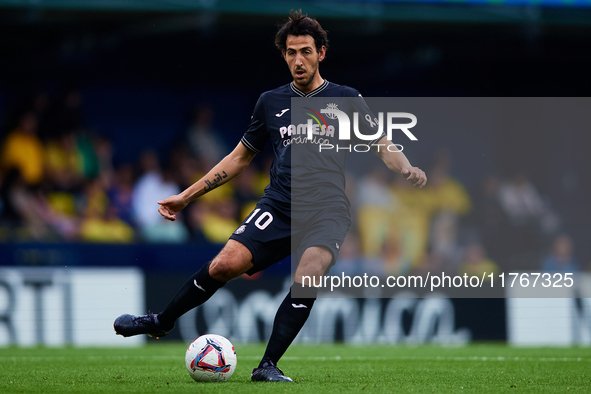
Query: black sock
(289, 320)
(198, 289)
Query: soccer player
(268, 234)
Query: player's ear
(322, 53)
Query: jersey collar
(310, 94)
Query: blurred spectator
(154, 185)
(106, 227)
(64, 162)
(11, 184)
(24, 151)
(395, 261)
(28, 214)
(561, 258)
(528, 218)
(186, 168)
(205, 142)
(450, 194)
(262, 178)
(19, 208)
(451, 201)
(411, 220)
(95, 199)
(387, 234)
(94, 155)
(521, 201)
(430, 263)
(476, 263)
(120, 193)
(220, 220)
(101, 223)
(490, 219)
(376, 206)
(64, 178)
(400, 222)
(195, 216)
(245, 191)
(350, 261)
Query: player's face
(303, 59)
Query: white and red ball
(211, 358)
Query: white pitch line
(309, 358)
(471, 358)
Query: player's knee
(315, 262)
(225, 269)
(232, 261)
(310, 271)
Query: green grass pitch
(160, 367)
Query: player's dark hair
(300, 24)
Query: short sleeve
(256, 135)
(368, 122)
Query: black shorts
(271, 234)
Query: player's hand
(171, 205)
(415, 175)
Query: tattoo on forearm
(210, 185)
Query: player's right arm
(228, 168)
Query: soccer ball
(210, 358)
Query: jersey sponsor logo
(296, 134)
(302, 129)
(280, 114)
(320, 128)
(308, 132)
(240, 229)
(297, 306)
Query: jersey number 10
(262, 221)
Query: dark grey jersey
(301, 174)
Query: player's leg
(319, 237)
(294, 311)
(232, 261)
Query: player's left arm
(396, 161)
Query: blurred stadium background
(108, 106)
